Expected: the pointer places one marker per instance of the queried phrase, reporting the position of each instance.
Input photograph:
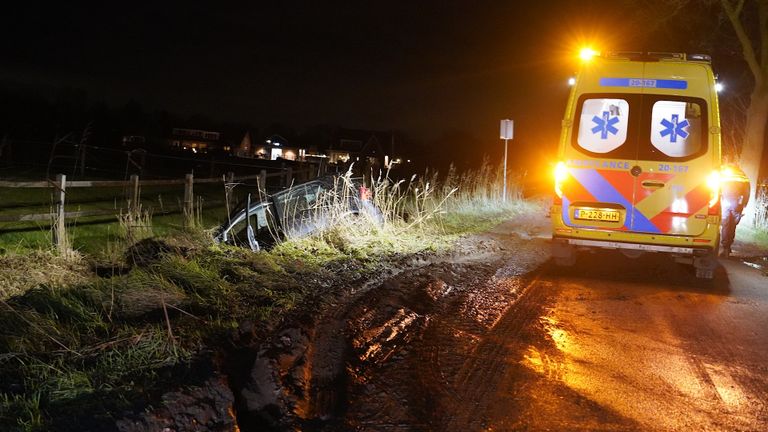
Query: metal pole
(504, 193)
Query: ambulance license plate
(597, 215)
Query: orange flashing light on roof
(586, 54)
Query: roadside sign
(507, 129)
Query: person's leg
(727, 232)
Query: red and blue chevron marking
(606, 186)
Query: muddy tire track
(387, 356)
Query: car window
(296, 201)
(603, 124)
(259, 217)
(676, 127)
(312, 193)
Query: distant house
(197, 141)
(358, 145)
(277, 147)
(334, 146)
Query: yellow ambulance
(639, 159)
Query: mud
(491, 336)
(208, 407)
(494, 337)
(382, 354)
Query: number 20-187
(673, 168)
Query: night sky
(425, 68)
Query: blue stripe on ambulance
(644, 83)
(603, 191)
(566, 206)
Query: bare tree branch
(733, 13)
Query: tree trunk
(754, 141)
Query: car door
(671, 195)
(599, 159)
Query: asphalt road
(621, 344)
(611, 344)
(492, 336)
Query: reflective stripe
(566, 209)
(604, 191)
(644, 83)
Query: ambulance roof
(675, 74)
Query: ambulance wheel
(706, 265)
(563, 253)
(705, 273)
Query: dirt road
(499, 339)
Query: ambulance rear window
(676, 126)
(603, 124)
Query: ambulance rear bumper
(632, 246)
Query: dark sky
(419, 66)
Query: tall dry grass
(135, 224)
(403, 215)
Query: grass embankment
(95, 347)
(756, 232)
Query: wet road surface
(494, 337)
(612, 344)
(640, 345)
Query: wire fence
(130, 191)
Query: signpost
(507, 133)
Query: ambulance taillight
(561, 175)
(713, 183)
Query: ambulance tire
(706, 265)
(563, 254)
(704, 273)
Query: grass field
(92, 235)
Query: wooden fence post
(322, 168)
(59, 225)
(288, 176)
(263, 180)
(189, 201)
(229, 187)
(133, 203)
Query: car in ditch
(303, 209)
